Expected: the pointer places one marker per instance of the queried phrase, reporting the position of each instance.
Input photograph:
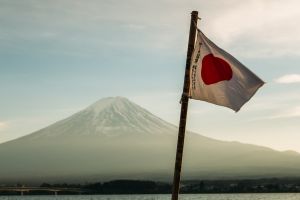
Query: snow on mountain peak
(118, 113)
(118, 102)
(110, 116)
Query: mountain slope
(115, 138)
(107, 117)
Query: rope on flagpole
(195, 24)
(184, 95)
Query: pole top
(194, 12)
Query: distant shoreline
(125, 187)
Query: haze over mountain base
(117, 139)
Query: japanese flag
(218, 78)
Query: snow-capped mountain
(114, 138)
(109, 117)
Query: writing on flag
(219, 78)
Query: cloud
(239, 26)
(289, 78)
(293, 112)
(261, 28)
(3, 125)
(284, 113)
(284, 104)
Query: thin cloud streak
(289, 78)
(293, 112)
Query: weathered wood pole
(184, 106)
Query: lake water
(290, 196)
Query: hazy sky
(59, 56)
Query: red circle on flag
(215, 69)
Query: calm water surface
(290, 196)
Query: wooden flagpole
(184, 106)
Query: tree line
(274, 185)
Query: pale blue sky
(57, 57)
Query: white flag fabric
(219, 78)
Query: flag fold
(219, 78)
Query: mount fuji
(115, 138)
